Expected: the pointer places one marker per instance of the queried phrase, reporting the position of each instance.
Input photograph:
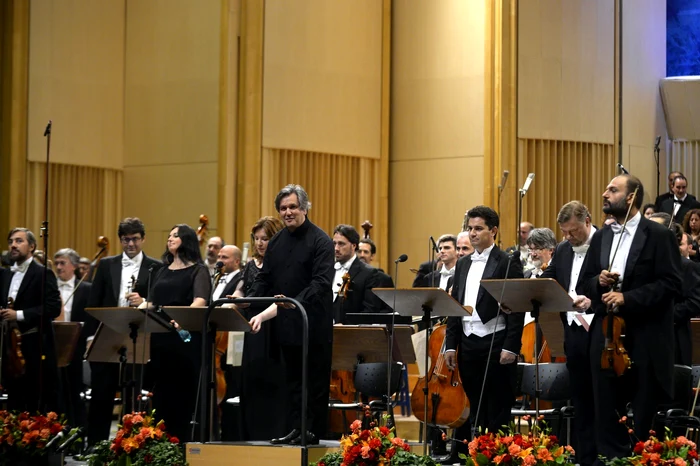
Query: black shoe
(311, 439)
(287, 438)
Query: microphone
(402, 258)
(244, 254)
(78, 433)
(504, 178)
(528, 182)
(219, 265)
(47, 131)
(58, 437)
(515, 254)
(622, 168)
(432, 240)
(657, 141)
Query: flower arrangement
(535, 448)
(678, 451)
(23, 436)
(373, 446)
(139, 441)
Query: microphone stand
(390, 351)
(44, 234)
(501, 187)
(656, 159)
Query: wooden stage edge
(226, 453)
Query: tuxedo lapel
(640, 238)
(567, 262)
(489, 271)
(605, 247)
(143, 272)
(460, 281)
(29, 277)
(115, 271)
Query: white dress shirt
(445, 275)
(340, 270)
(225, 279)
(66, 290)
(625, 242)
(130, 268)
(19, 271)
(579, 256)
(473, 324)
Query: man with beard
(565, 267)
(35, 304)
(635, 272)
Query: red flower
(553, 439)
(639, 448)
(657, 448)
(384, 431)
(174, 439)
(390, 452)
(375, 443)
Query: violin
(103, 244)
(203, 229)
(448, 405)
(221, 344)
(615, 357)
(11, 345)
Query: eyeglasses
(134, 239)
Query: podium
(428, 303)
(116, 340)
(534, 296)
(221, 319)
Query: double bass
(448, 405)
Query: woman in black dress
(263, 396)
(183, 281)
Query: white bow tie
(476, 257)
(339, 266)
(128, 262)
(22, 268)
(617, 228)
(62, 284)
(447, 273)
(583, 249)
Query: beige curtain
(341, 188)
(84, 203)
(564, 171)
(684, 157)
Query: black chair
(371, 381)
(554, 387)
(676, 415)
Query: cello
(448, 405)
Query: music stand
(110, 341)
(426, 302)
(353, 343)
(534, 296)
(66, 336)
(223, 319)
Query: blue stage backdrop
(682, 37)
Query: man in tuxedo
(565, 267)
(541, 244)
(635, 270)
(473, 335)
(464, 246)
(74, 296)
(35, 304)
(447, 253)
(681, 202)
(360, 279)
(366, 252)
(668, 194)
(120, 281)
(214, 245)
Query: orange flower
(679, 462)
(498, 459)
(544, 455)
(529, 460)
(514, 449)
(129, 444)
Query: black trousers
(611, 395)
(318, 378)
(578, 363)
(499, 392)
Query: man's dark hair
(448, 238)
(131, 226)
(349, 232)
(189, 248)
(372, 246)
(665, 218)
(678, 231)
(633, 183)
(680, 177)
(487, 213)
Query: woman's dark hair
(686, 220)
(648, 206)
(189, 249)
